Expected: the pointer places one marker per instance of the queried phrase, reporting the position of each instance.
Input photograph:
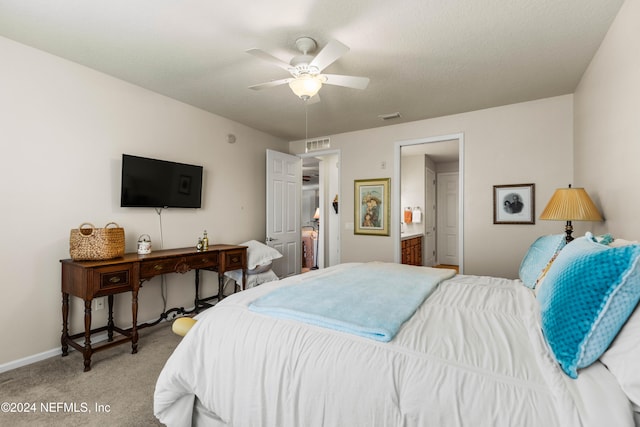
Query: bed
(476, 351)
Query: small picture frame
(371, 206)
(184, 187)
(514, 204)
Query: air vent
(317, 144)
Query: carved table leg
(244, 279)
(134, 316)
(87, 336)
(65, 324)
(196, 303)
(110, 323)
(220, 286)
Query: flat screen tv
(159, 183)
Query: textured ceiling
(425, 58)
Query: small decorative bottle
(416, 216)
(199, 245)
(408, 215)
(205, 242)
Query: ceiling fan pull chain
(306, 123)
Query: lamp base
(569, 230)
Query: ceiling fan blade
(269, 58)
(353, 82)
(272, 83)
(329, 54)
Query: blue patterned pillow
(589, 293)
(540, 253)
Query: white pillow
(259, 254)
(260, 269)
(623, 358)
(252, 280)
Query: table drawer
(233, 260)
(181, 265)
(157, 267)
(203, 260)
(113, 279)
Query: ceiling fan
(306, 70)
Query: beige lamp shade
(571, 204)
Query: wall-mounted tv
(159, 183)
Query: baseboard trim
(45, 355)
(28, 360)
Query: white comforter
(472, 355)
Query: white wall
(63, 129)
(331, 253)
(607, 128)
(447, 167)
(530, 142)
(412, 191)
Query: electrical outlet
(98, 304)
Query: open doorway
(320, 212)
(429, 181)
(310, 213)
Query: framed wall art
(371, 206)
(185, 184)
(514, 204)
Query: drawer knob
(114, 279)
(157, 267)
(182, 267)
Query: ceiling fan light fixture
(305, 86)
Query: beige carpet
(118, 391)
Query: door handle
(269, 239)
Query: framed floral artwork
(371, 206)
(514, 204)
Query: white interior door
(429, 255)
(284, 189)
(447, 218)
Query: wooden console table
(91, 279)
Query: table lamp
(571, 204)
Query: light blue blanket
(372, 300)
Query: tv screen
(159, 183)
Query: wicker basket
(89, 243)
